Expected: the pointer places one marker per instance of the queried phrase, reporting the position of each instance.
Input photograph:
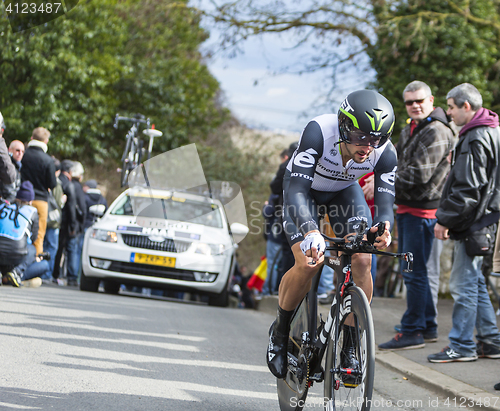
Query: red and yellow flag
(259, 276)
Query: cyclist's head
(366, 118)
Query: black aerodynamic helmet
(366, 118)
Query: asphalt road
(63, 349)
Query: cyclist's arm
(385, 172)
(302, 171)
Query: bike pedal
(317, 377)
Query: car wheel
(111, 287)
(89, 283)
(222, 299)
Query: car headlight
(207, 249)
(104, 235)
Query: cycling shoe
(276, 356)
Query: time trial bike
(349, 324)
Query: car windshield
(171, 208)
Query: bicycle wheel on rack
(342, 396)
(292, 390)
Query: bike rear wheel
(292, 391)
(338, 396)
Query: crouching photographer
(19, 264)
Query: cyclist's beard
(359, 154)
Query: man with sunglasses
(322, 177)
(423, 148)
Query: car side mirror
(97, 209)
(239, 229)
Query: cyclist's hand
(383, 241)
(313, 245)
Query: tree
(73, 74)
(444, 42)
(432, 42)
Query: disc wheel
(341, 396)
(292, 390)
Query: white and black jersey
(316, 176)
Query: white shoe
(33, 283)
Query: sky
(261, 100)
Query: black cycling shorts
(345, 209)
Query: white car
(183, 242)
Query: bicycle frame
(318, 338)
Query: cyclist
(334, 152)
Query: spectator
(470, 202)
(93, 196)
(287, 259)
(51, 240)
(81, 210)
(70, 228)
(7, 170)
(38, 167)
(423, 148)
(18, 230)
(272, 233)
(9, 191)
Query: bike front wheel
(339, 394)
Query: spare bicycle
(132, 155)
(344, 388)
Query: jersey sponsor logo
(302, 176)
(386, 190)
(361, 168)
(333, 152)
(322, 167)
(389, 177)
(305, 159)
(293, 237)
(337, 176)
(330, 161)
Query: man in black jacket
(423, 148)
(70, 227)
(470, 202)
(38, 167)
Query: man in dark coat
(70, 227)
(470, 202)
(38, 167)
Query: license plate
(152, 259)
